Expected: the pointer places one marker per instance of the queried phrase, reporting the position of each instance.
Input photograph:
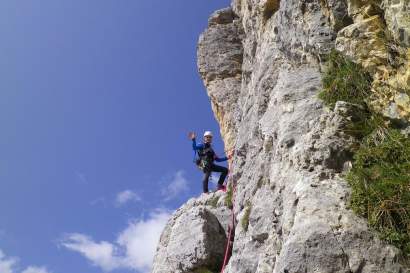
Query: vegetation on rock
(380, 177)
(245, 218)
(344, 81)
(229, 196)
(213, 202)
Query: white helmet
(208, 133)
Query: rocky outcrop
(398, 20)
(378, 40)
(261, 62)
(194, 238)
(220, 65)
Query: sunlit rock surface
(261, 62)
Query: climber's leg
(223, 171)
(205, 181)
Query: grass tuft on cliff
(229, 196)
(380, 176)
(344, 80)
(366, 124)
(246, 215)
(380, 181)
(213, 202)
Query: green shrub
(245, 218)
(380, 176)
(365, 125)
(344, 80)
(229, 196)
(380, 181)
(213, 202)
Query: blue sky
(97, 98)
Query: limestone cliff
(262, 62)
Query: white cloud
(101, 254)
(125, 197)
(34, 269)
(177, 186)
(8, 265)
(140, 240)
(134, 248)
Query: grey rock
(223, 16)
(261, 62)
(220, 57)
(193, 238)
(398, 20)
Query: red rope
(231, 227)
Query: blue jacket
(200, 146)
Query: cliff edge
(262, 63)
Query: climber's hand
(191, 135)
(230, 154)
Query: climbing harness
(231, 227)
(205, 158)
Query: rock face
(220, 65)
(261, 62)
(194, 238)
(398, 19)
(378, 39)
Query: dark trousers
(214, 168)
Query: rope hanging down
(231, 227)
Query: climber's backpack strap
(206, 157)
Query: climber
(206, 160)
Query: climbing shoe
(221, 188)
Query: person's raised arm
(194, 145)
